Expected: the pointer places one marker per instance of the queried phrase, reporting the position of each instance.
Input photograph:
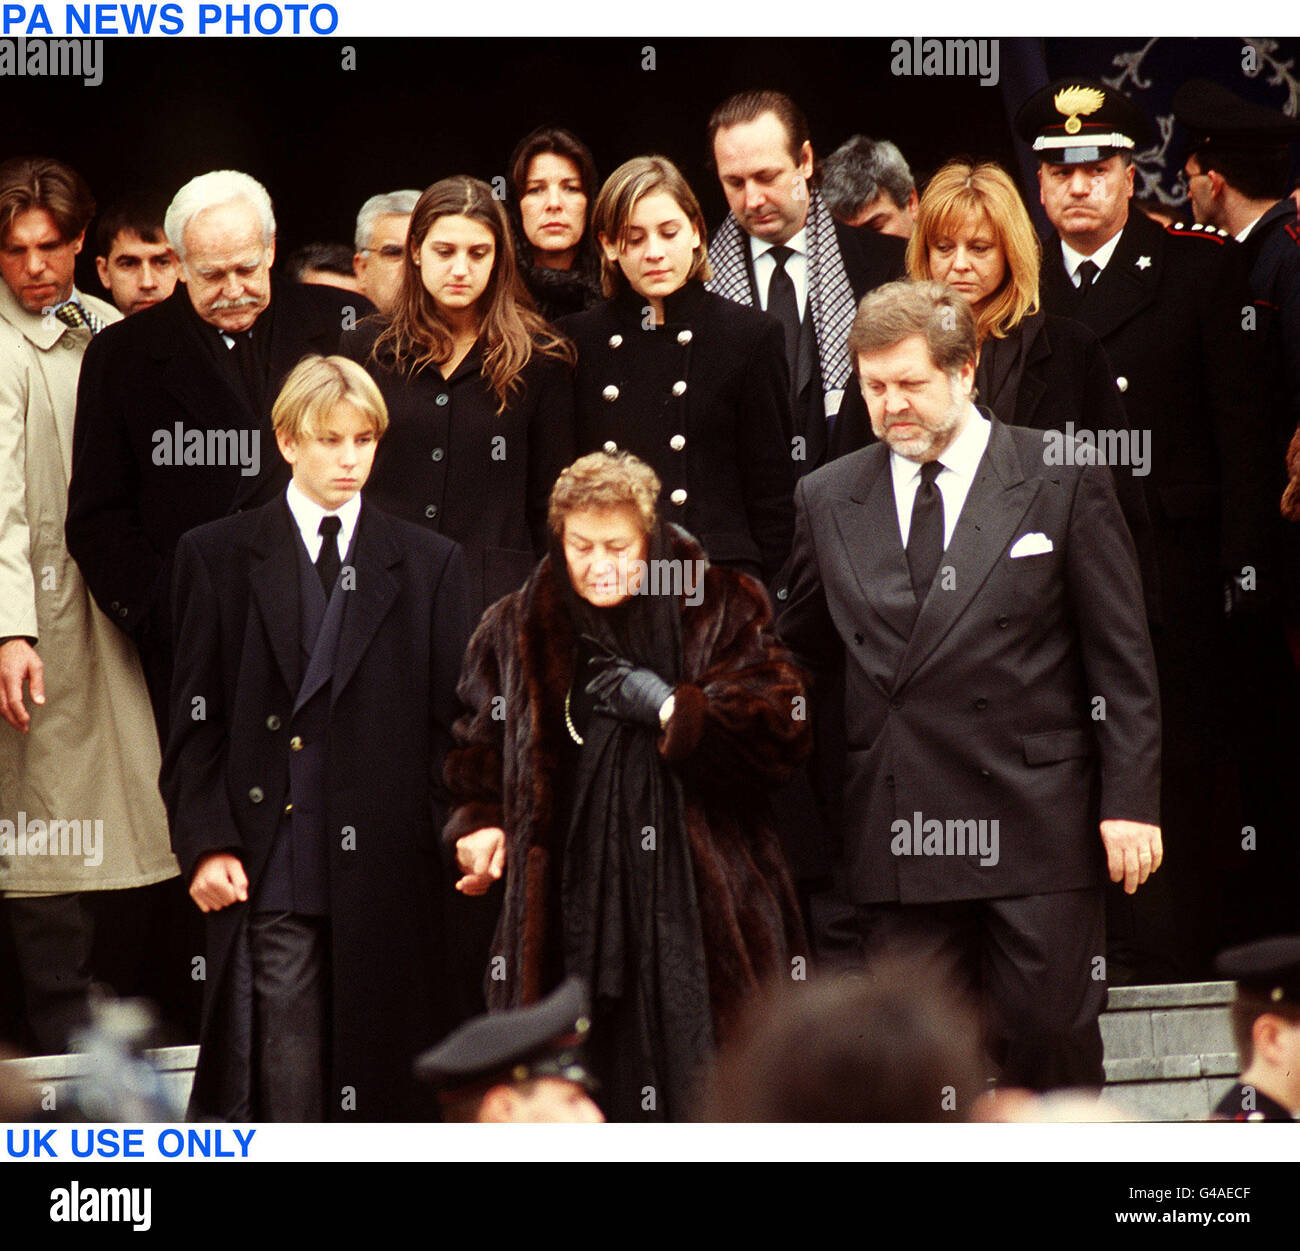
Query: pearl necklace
(568, 717)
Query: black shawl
(630, 915)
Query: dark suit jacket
(870, 260)
(1272, 251)
(986, 709)
(127, 507)
(1065, 383)
(225, 776)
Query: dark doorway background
(322, 139)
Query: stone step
(1169, 1054)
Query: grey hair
(392, 202)
(858, 170)
(220, 186)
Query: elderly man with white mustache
(170, 403)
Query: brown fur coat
(736, 731)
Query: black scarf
(561, 292)
(631, 917)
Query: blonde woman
(1035, 369)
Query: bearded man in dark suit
(984, 606)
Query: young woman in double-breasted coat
(693, 384)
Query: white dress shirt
(960, 461)
(796, 266)
(1100, 258)
(308, 516)
(1241, 236)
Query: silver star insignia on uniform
(1143, 262)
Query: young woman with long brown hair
(477, 387)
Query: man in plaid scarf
(780, 250)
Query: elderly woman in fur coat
(630, 709)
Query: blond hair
(623, 191)
(986, 190)
(316, 386)
(605, 480)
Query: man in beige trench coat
(79, 804)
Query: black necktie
(1087, 271)
(246, 366)
(784, 306)
(925, 537)
(328, 563)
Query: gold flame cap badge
(1073, 101)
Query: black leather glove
(626, 691)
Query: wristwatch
(666, 711)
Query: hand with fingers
(219, 880)
(1133, 851)
(481, 856)
(19, 662)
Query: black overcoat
(1272, 250)
(704, 400)
(1170, 309)
(140, 379)
(225, 777)
(450, 463)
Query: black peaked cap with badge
(1075, 121)
(1269, 968)
(1216, 118)
(541, 1040)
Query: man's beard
(929, 444)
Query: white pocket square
(1034, 544)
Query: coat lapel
(1037, 348)
(998, 499)
(190, 372)
(867, 522)
(1130, 282)
(368, 602)
(274, 584)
